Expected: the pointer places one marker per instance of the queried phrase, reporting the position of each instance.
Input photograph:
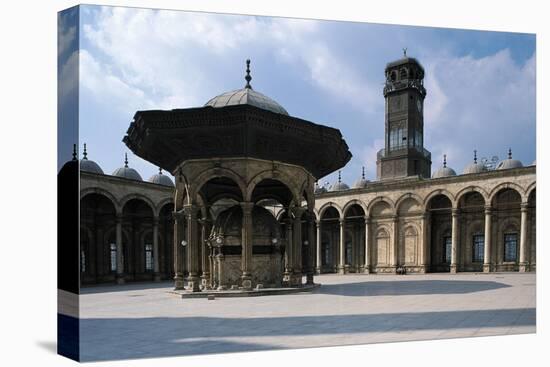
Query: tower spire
(363, 173)
(405, 52)
(444, 160)
(74, 153)
(248, 78)
(339, 176)
(475, 156)
(126, 160)
(509, 153)
(85, 153)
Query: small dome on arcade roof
(362, 182)
(339, 186)
(127, 172)
(88, 165)
(444, 171)
(509, 163)
(475, 167)
(161, 179)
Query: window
(447, 246)
(112, 247)
(148, 257)
(510, 247)
(398, 138)
(82, 261)
(478, 248)
(348, 252)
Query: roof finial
(126, 160)
(475, 156)
(85, 154)
(248, 78)
(160, 171)
(363, 172)
(339, 176)
(405, 52)
(444, 160)
(509, 153)
(74, 152)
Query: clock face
(419, 105)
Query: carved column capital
(455, 212)
(247, 207)
(488, 209)
(190, 211)
(367, 220)
(524, 206)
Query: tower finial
(509, 153)
(444, 160)
(405, 52)
(339, 176)
(363, 172)
(248, 78)
(74, 152)
(85, 153)
(475, 156)
(126, 160)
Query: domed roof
(362, 182)
(475, 167)
(509, 163)
(127, 172)
(88, 165)
(444, 171)
(319, 189)
(246, 96)
(339, 186)
(161, 179)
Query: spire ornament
(444, 160)
(85, 153)
(74, 153)
(363, 173)
(126, 160)
(475, 156)
(339, 176)
(509, 153)
(248, 78)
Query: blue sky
(480, 84)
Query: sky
(480, 84)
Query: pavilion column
(179, 219)
(246, 238)
(318, 259)
(119, 254)
(296, 278)
(192, 247)
(487, 245)
(205, 256)
(395, 259)
(310, 271)
(454, 240)
(156, 257)
(523, 263)
(366, 266)
(341, 258)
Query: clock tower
(404, 154)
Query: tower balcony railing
(402, 149)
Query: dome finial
(126, 160)
(475, 156)
(444, 160)
(74, 153)
(248, 78)
(363, 172)
(509, 153)
(85, 153)
(405, 52)
(339, 176)
(160, 171)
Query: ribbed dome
(509, 163)
(246, 96)
(88, 165)
(362, 182)
(161, 179)
(127, 172)
(339, 185)
(475, 168)
(444, 171)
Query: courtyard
(146, 320)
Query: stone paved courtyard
(144, 320)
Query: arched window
(478, 248)
(510, 247)
(113, 252)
